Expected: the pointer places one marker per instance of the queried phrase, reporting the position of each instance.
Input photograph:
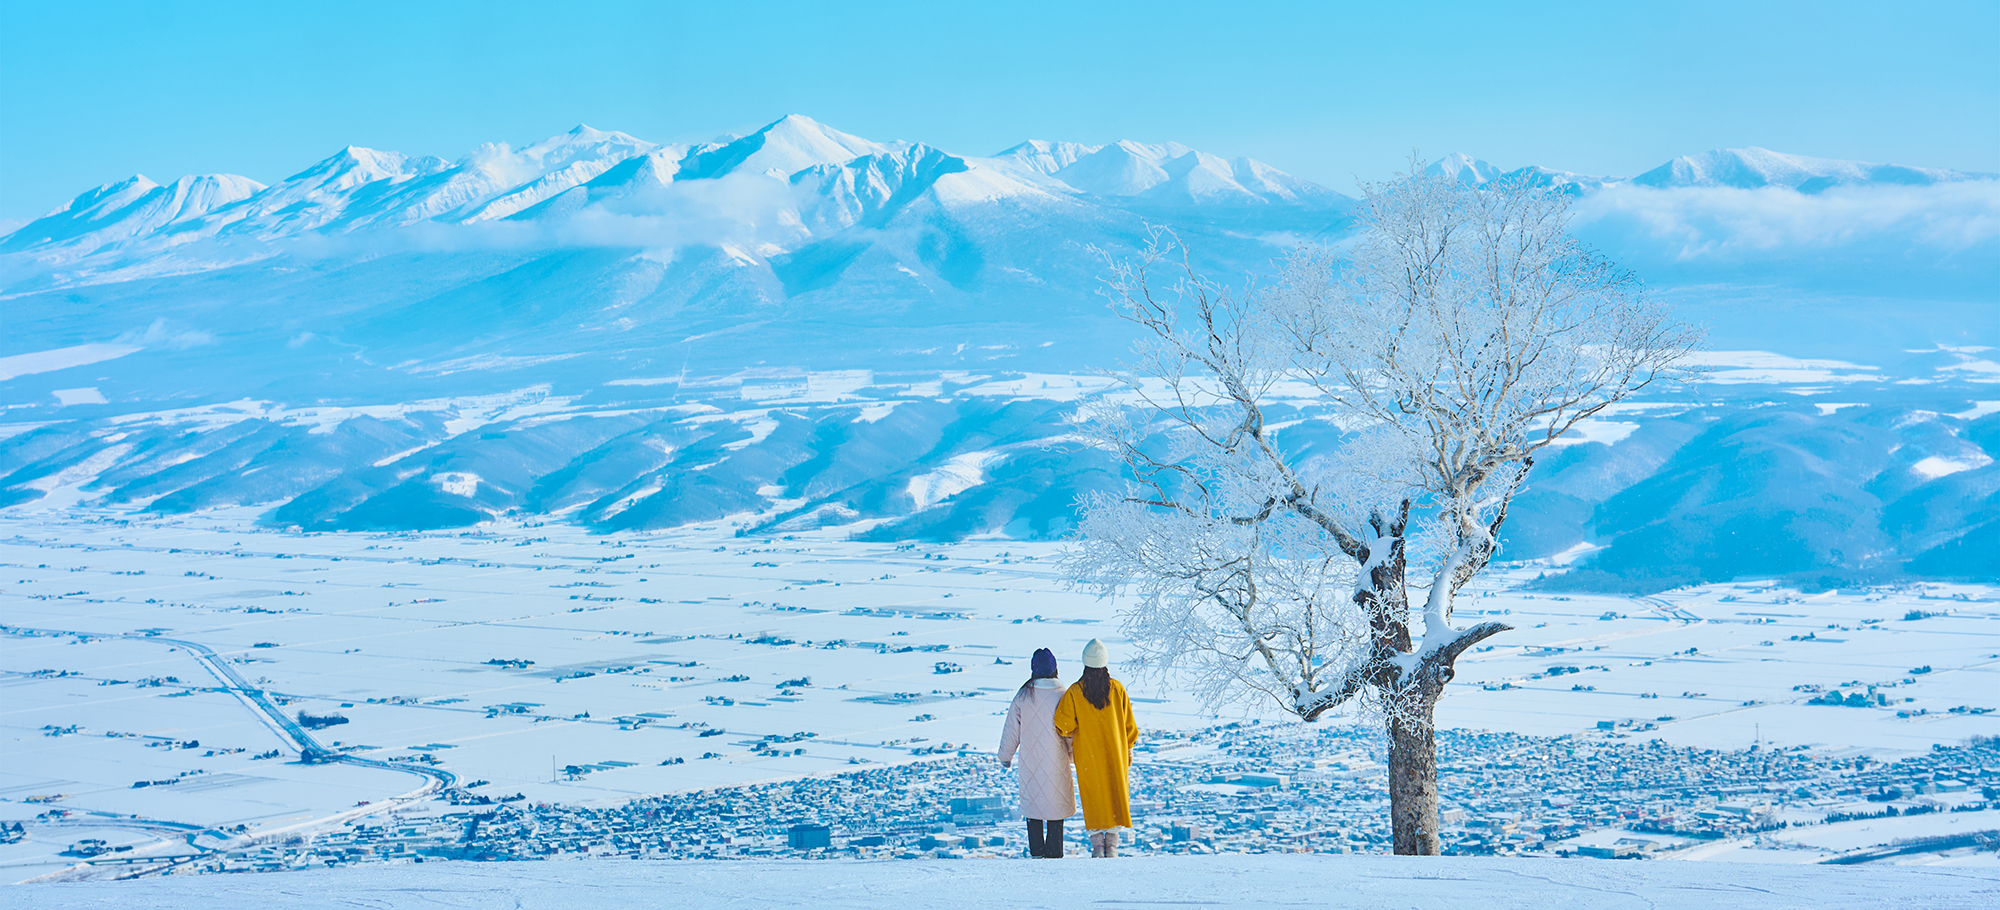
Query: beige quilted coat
(1047, 789)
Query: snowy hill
(354, 187)
(131, 208)
(781, 149)
(1754, 218)
(1744, 168)
(1168, 174)
(1475, 172)
(1751, 168)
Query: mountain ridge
(358, 191)
(138, 228)
(1750, 167)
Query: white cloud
(164, 333)
(1724, 224)
(743, 210)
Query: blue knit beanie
(1043, 664)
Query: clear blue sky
(91, 92)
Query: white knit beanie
(1094, 654)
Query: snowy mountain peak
(354, 165)
(130, 208)
(1171, 173)
(1478, 172)
(198, 194)
(1047, 157)
(498, 182)
(130, 186)
(1463, 168)
(874, 190)
(107, 200)
(653, 169)
(584, 139)
(783, 148)
(584, 132)
(1751, 168)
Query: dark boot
(1052, 842)
(1035, 841)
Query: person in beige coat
(1048, 793)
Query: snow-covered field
(509, 654)
(1206, 881)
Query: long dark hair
(1096, 683)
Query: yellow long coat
(1102, 741)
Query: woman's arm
(1066, 715)
(1131, 723)
(1010, 733)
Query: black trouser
(1046, 843)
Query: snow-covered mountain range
(1745, 168)
(829, 181)
(802, 328)
(795, 182)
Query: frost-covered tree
(1463, 331)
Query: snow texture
(1359, 882)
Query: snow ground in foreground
(1371, 882)
(643, 643)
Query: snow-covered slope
(871, 189)
(1751, 168)
(131, 208)
(1464, 168)
(1744, 168)
(496, 181)
(343, 191)
(781, 149)
(1047, 157)
(1170, 174)
(1477, 172)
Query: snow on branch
(1304, 458)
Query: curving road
(300, 740)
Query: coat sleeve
(1010, 731)
(1131, 722)
(1066, 715)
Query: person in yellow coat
(1095, 715)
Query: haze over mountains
(805, 328)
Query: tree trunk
(1413, 788)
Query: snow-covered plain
(644, 645)
(1208, 881)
